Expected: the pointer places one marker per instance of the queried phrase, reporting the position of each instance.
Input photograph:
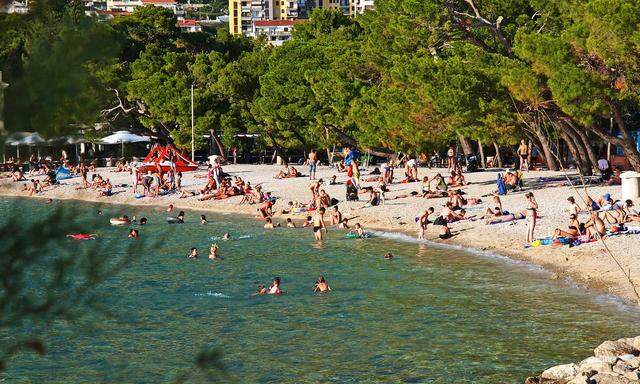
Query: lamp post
(2, 87)
(2, 130)
(193, 144)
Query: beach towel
(502, 188)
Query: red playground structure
(167, 158)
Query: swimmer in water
(274, 289)
(133, 233)
(143, 221)
(180, 217)
(262, 290)
(226, 236)
(213, 252)
(268, 224)
(99, 212)
(193, 254)
(203, 219)
(357, 229)
(388, 256)
(290, 223)
(170, 208)
(49, 200)
(321, 285)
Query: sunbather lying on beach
(504, 218)
(572, 231)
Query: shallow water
(432, 315)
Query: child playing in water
(321, 285)
(290, 223)
(357, 229)
(203, 219)
(274, 289)
(336, 216)
(269, 224)
(133, 233)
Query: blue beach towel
(502, 189)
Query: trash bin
(630, 185)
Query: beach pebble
(560, 372)
(614, 348)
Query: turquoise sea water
(432, 315)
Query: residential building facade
(244, 13)
(131, 5)
(276, 32)
(189, 25)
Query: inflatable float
(81, 236)
(174, 220)
(118, 221)
(354, 235)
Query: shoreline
(585, 266)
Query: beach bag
(352, 192)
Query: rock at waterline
(560, 372)
(615, 348)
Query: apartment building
(276, 32)
(244, 13)
(131, 5)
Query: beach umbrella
(122, 137)
(33, 140)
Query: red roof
(187, 23)
(276, 23)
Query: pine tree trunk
(465, 144)
(591, 154)
(481, 151)
(546, 147)
(497, 160)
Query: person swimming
(274, 289)
(388, 256)
(203, 219)
(226, 236)
(269, 224)
(193, 254)
(213, 252)
(170, 208)
(262, 290)
(133, 233)
(181, 217)
(143, 221)
(321, 285)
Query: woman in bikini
(532, 213)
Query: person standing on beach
(423, 222)
(451, 159)
(523, 154)
(318, 224)
(313, 163)
(532, 213)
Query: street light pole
(193, 144)
(2, 131)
